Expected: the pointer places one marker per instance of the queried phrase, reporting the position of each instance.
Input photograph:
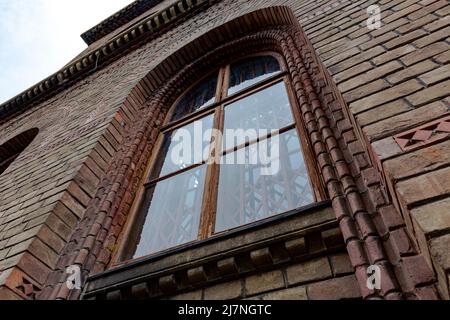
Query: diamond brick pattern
(392, 76)
(427, 134)
(444, 126)
(422, 135)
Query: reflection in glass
(173, 209)
(174, 157)
(200, 96)
(250, 71)
(267, 109)
(246, 196)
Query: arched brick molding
(373, 230)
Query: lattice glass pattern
(250, 71)
(171, 157)
(246, 196)
(266, 109)
(200, 96)
(173, 209)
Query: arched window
(232, 152)
(12, 148)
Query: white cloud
(38, 37)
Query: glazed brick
(429, 94)
(425, 186)
(225, 291)
(437, 75)
(387, 95)
(407, 38)
(433, 218)
(430, 8)
(295, 293)
(334, 289)
(405, 121)
(362, 57)
(412, 71)
(393, 54)
(308, 271)
(369, 76)
(86, 95)
(383, 112)
(416, 56)
(264, 282)
(341, 264)
(419, 161)
(417, 23)
(365, 90)
(441, 259)
(433, 37)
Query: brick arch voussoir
(105, 217)
(363, 225)
(90, 246)
(169, 92)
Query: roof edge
(86, 64)
(118, 19)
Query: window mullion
(209, 207)
(221, 84)
(226, 81)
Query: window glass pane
(250, 71)
(267, 109)
(200, 96)
(173, 209)
(180, 149)
(246, 194)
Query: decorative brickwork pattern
(65, 199)
(364, 242)
(429, 133)
(103, 55)
(208, 268)
(110, 24)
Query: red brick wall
(392, 80)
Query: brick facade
(374, 104)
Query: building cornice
(118, 19)
(147, 28)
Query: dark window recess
(200, 96)
(250, 71)
(12, 148)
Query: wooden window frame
(210, 193)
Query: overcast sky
(37, 37)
